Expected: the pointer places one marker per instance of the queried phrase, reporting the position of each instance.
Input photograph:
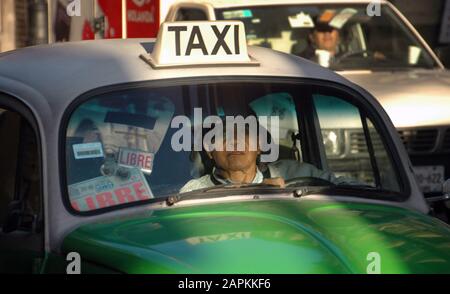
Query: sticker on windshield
(142, 129)
(107, 191)
(234, 14)
(88, 150)
(301, 20)
(342, 17)
(136, 158)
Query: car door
(21, 202)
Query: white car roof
(237, 3)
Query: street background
(32, 22)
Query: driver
(324, 40)
(240, 167)
(323, 43)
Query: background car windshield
(138, 144)
(291, 29)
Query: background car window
(290, 29)
(348, 146)
(185, 14)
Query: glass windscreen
(341, 37)
(147, 143)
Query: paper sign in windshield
(136, 158)
(107, 191)
(301, 20)
(341, 19)
(88, 150)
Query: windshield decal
(301, 20)
(136, 158)
(88, 150)
(105, 191)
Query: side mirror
(445, 194)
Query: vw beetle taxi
(100, 138)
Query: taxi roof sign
(196, 43)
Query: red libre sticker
(107, 191)
(135, 158)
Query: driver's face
(236, 160)
(326, 40)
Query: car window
(340, 36)
(146, 143)
(21, 202)
(20, 195)
(353, 146)
(187, 14)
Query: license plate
(430, 178)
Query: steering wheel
(308, 181)
(353, 53)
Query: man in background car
(323, 43)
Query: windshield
(343, 37)
(145, 143)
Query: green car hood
(268, 236)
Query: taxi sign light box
(200, 43)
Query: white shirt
(286, 169)
(206, 182)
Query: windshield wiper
(223, 190)
(362, 190)
(358, 186)
(308, 181)
(299, 187)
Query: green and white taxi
(111, 158)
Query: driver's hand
(275, 182)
